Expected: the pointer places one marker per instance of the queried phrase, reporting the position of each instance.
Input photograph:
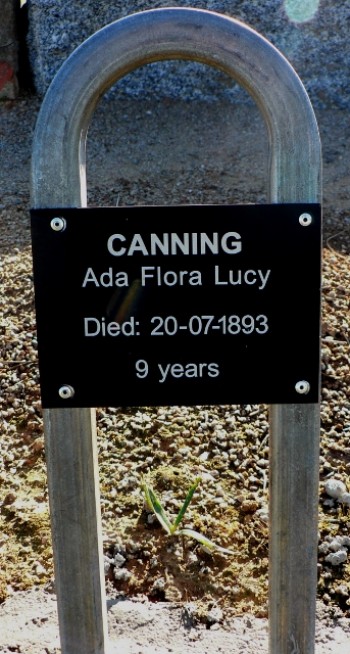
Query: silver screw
(66, 392)
(58, 224)
(302, 387)
(305, 219)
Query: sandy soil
(28, 623)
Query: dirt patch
(29, 625)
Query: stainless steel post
(58, 179)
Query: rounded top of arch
(174, 33)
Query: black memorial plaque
(178, 305)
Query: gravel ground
(227, 446)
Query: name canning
(168, 244)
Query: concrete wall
(8, 50)
(313, 35)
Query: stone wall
(8, 50)
(312, 34)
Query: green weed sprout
(171, 528)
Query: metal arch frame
(58, 179)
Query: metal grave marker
(59, 182)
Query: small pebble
(336, 558)
(334, 488)
(214, 615)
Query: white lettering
(178, 244)
(99, 327)
(207, 243)
(90, 277)
(213, 370)
(107, 278)
(170, 277)
(163, 246)
(87, 331)
(239, 277)
(263, 279)
(137, 245)
(164, 372)
(173, 244)
(238, 280)
(250, 274)
(232, 246)
(218, 281)
(146, 274)
(189, 370)
(110, 245)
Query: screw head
(302, 387)
(58, 224)
(66, 392)
(305, 219)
